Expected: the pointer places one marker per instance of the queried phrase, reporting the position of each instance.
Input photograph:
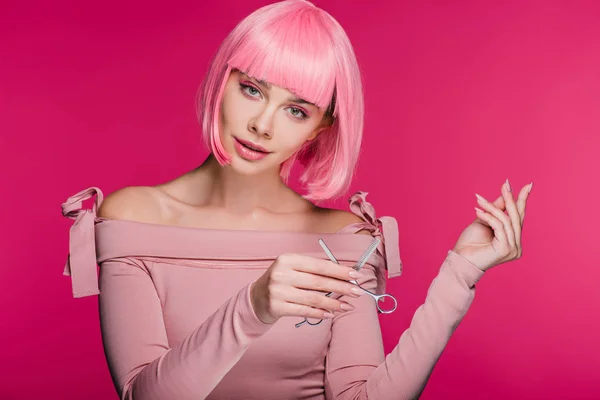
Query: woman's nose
(262, 123)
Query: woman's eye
(251, 90)
(298, 113)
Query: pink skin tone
(267, 115)
(495, 235)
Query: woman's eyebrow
(294, 99)
(264, 83)
(302, 101)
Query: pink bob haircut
(300, 47)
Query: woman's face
(265, 115)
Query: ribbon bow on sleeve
(81, 262)
(361, 207)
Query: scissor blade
(363, 259)
(327, 251)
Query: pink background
(459, 95)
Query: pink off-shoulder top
(177, 321)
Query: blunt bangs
(292, 52)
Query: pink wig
(299, 47)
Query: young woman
(204, 278)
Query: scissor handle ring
(306, 321)
(382, 298)
(316, 323)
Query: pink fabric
(177, 321)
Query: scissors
(359, 264)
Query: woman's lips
(252, 146)
(248, 154)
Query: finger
(499, 202)
(500, 215)
(316, 300)
(513, 215)
(310, 281)
(499, 233)
(522, 202)
(318, 266)
(300, 310)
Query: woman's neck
(223, 187)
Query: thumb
(499, 202)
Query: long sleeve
(142, 364)
(356, 367)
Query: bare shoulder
(338, 219)
(132, 203)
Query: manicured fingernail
(355, 274)
(328, 315)
(357, 291)
(346, 306)
(481, 211)
(481, 198)
(530, 187)
(508, 185)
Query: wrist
(256, 304)
(466, 257)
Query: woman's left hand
(494, 237)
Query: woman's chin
(244, 167)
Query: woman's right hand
(295, 285)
